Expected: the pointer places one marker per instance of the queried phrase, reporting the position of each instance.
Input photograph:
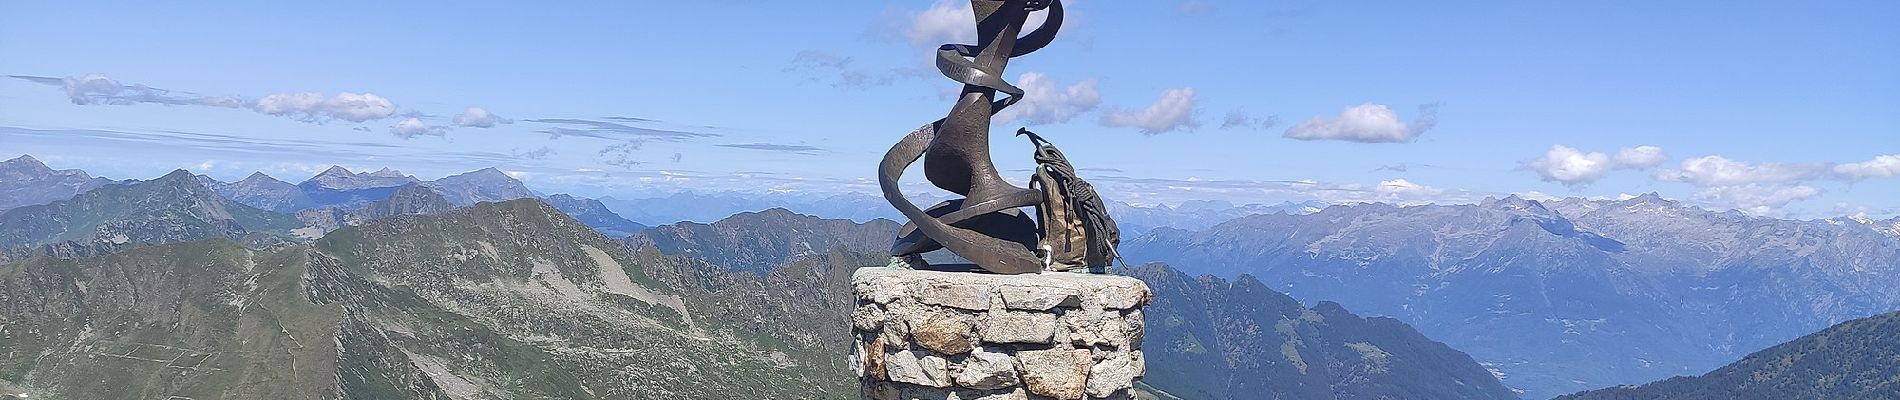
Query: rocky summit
(933, 335)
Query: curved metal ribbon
(991, 253)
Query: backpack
(1076, 229)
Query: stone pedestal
(960, 335)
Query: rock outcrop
(950, 335)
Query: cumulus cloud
(1569, 166)
(314, 107)
(1880, 167)
(1366, 123)
(1047, 102)
(477, 117)
(413, 127)
(1640, 157)
(952, 21)
(1572, 167)
(1175, 110)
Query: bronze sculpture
(986, 226)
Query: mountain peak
(336, 170)
(1513, 202)
(386, 173)
(1648, 198)
(255, 176)
(25, 164)
(179, 174)
(340, 178)
(24, 159)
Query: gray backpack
(1076, 229)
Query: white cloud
(1401, 190)
(412, 127)
(355, 107)
(288, 103)
(96, 89)
(310, 106)
(1175, 110)
(1711, 171)
(952, 21)
(1880, 167)
(1569, 166)
(1366, 123)
(1046, 102)
(1640, 157)
(477, 117)
(1757, 198)
(1757, 189)
(946, 21)
(84, 90)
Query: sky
(1785, 109)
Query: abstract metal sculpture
(986, 226)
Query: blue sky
(1782, 109)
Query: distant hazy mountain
(486, 184)
(1210, 338)
(497, 300)
(262, 191)
(339, 187)
(705, 207)
(595, 215)
(758, 241)
(1857, 359)
(1601, 293)
(25, 181)
(173, 208)
(713, 206)
(1197, 214)
(410, 199)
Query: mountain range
(1858, 359)
(496, 300)
(1577, 295)
(512, 299)
(173, 208)
(1554, 297)
(26, 181)
(758, 241)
